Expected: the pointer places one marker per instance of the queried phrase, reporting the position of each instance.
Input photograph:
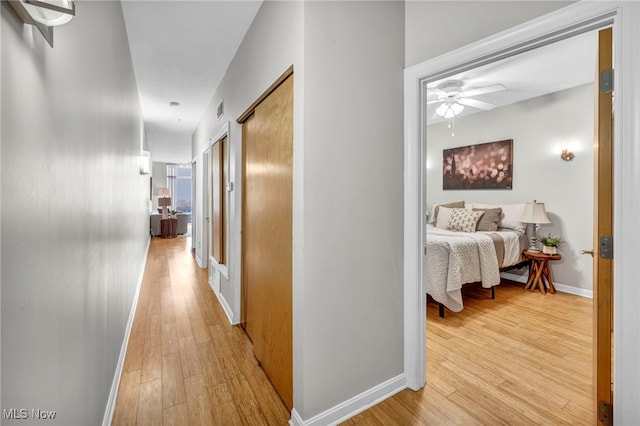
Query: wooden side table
(539, 271)
(168, 228)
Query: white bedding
(457, 258)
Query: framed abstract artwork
(481, 166)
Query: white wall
(351, 331)
(347, 279)
(272, 44)
(436, 27)
(159, 180)
(566, 187)
(74, 211)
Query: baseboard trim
(199, 262)
(353, 406)
(111, 402)
(564, 288)
(225, 305)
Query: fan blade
(436, 91)
(482, 90)
(435, 101)
(474, 103)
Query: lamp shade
(535, 213)
(164, 201)
(163, 192)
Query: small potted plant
(550, 244)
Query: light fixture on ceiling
(44, 14)
(453, 98)
(449, 109)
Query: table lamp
(164, 202)
(535, 214)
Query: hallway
(185, 364)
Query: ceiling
(559, 66)
(181, 51)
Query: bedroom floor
(520, 359)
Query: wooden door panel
(217, 206)
(267, 235)
(603, 219)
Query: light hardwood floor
(521, 359)
(185, 365)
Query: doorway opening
(554, 28)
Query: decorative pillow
(444, 216)
(511, 216)
(464, 220)
(436, 208)
(489, 220)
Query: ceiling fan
(453, 98)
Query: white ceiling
(559, 66)
(181, 51)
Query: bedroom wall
(536, 127)
(436, 27)
(74, 211)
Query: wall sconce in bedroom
(44, 14)
(566, 155)
(535, 214)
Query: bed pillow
(436, 208)
(444, 216)
(511, 216)
(489, 220)
(464, 220)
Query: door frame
(571, 20)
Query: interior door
(206, 231)
(267, 137)
(218, 150)
(603, 218)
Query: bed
(456, 257)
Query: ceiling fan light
(457, 108)
(442, 109)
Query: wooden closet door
(267, 235)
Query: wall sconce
(44, 14)
(145, 162)
(566, 155)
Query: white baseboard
(564, 288)
(111, 402)
(352, 406)
(225, 305)
(199, 262)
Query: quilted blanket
(457, 258)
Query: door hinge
(606, 247)
(425, 250)
(606, 81)
(605, 413)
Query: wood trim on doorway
(603, 223)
